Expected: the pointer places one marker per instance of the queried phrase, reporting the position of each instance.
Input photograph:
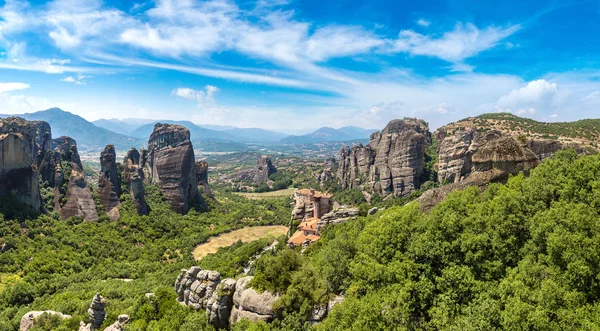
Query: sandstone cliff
(225, 301)
(134, 177)
(24, 147)
(202, 178)
(392, 162)
(171, 166)
(109, 186)
(78, 199)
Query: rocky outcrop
(172, 166)
(251, 305)
(29, 320)
(337, 216)
(23, 145)
(202, 179)
(119, 325)
(133, 175)
(258, 175)
(309, 203)
(225, 301)
(96, 314)
(264, 168)
(328, 172)
(492, 158)
(78, 197)
(318, 313)
(392, 162)
(109, 186)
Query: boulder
(133, 174)
(78, 196)
(195, 287)
(171, 165)
(337, 216)
(259, 174)
(251, 305)
(392, 162)
(109, 186)
(29, 319)
(119, 325)
(220, 304)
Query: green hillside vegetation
(518, 256)
(586, 131)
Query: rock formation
(29, 320)
(172, 166)
(328, 171)
(251, 305)
(392, 162)
(133, 174)
(96, 314)
(109, 186)
(119, 325)
(258, 175)
(202, 178)
(337, 216)
(79, 201)
(264, 168)
(309, 203)
(490, 157)
(225, 301)
(23, 146)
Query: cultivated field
(269, 195)
(246, 235)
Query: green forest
(524, 255)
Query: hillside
(89, 137)
(584, 132)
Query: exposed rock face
(119, 325)
(79, 201)
(97, 312)
(492, 158)
(225, 301)
(337, 216)
(328, 171)
(134, 177)
(309, 203)
(172, 166)
(23, 145)
(318, 313)
(109, 187)
(264, 168)
(454, 154)
(251, 305)
(392, 162)
(29, 319)
(202, 178)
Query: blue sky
(301, 64)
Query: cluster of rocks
(392, 162)
(226, 301)
(31, 157)
(96, 316)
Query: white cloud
(80, 79)
(202, 97)
(538, 94)
(423, 22)
(8, 87)
(466, 40)
(554, 115)
(69, 79)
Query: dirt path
(246, 235)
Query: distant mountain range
(87, 135)
(326, 134)
(134, 132)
